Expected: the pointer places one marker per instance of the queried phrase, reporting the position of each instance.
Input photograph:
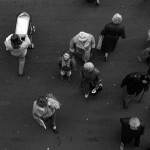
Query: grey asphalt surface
(91, 124)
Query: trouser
(52, 120)
(21, 64)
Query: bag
(99, 44)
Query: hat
(89, 66)
(134, 122)
(82, 36)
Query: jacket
(127, 134)
(134, 83)
(21, 51)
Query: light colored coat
(20, 52)
(82, 48)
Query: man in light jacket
(82, 45)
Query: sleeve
(8, 43)
(26, 42)
(103, 32)
(142, 129)
(74, 64)
(59, 62)
(72, 45)
(93, 41)
(123, 34)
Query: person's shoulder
(96, 70)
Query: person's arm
(74, 64)
(123, 34)
(59, 62)
(8, 43)
(72, 45)
(92, 41)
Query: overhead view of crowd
(82, 46)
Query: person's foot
(62, 77)
(106, 58)
(69, 78)
(20, 75)
(54, 129)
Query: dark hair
(42, 101)
(15, 41)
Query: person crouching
(91, 79)
(66, 64)
(44, 109)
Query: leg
(121, 146)
(21, 65)
(68, 73)
(53, 122)
(127, 99)
(62, 73)
(106, 56)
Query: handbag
(99, 44)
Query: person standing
(90, 79)
(66, 64)
(82, 45)
(136, 83)
(18, 48)
(44, 110)
(111, 33)
(132, 128)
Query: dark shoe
(106, 58)
(62, 77)
(69, 78)
(20, 75)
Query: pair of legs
(67, 73)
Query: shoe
(62, 77)
(106, 58)
(55, 129)
(20, 75)
(69, 78)
(86, 95)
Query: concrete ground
(83, 124)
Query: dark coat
(90, 80)
(127, 134)
(111, 34)
(134, 83)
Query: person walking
(90, 79)
(44, 110)
(82, 45)
(111, 33)
(136, 83)
(18, 48)
(131, 128)
(66, 64)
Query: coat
(134, 83)
(19, 52)
(83, 50)
(127, 134)
(111, 34)
(90, 80)
(66, 65)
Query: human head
(15, 39)
(66, 55)
(42, 101)
(89, 66)
(134, 123)
(117, 18)
(82, 36)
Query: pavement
(83, 124)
